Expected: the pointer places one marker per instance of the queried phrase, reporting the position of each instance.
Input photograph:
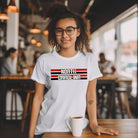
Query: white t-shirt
(8, 66)
(106, 66)
(67, 81)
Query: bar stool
(120, 91)
(13, 112)
(13, 100)
(28, 104)
(123, 91)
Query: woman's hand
(100, 130)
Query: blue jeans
(38, 136)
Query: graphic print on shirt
(69, 74)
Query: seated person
(8, 66)
(106, 66)
(36, 55)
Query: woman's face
(66, 33)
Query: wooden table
(127, 128)
(12, 81)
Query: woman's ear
(78, 32)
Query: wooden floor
(12, 129)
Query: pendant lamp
(88, 7)
(12, 7)
(4, 16)
(33, 41)
(38, 44)
(45, 32)
(35, 29)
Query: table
(127, 128)
(12, 81)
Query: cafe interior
(113, 31)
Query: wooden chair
(27, 105)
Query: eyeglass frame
(66, 30)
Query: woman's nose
(64, 34)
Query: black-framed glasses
(69, 31)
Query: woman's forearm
(92, 111)
(38, 98)
(34, 115)
(92, 103)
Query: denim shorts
(38, 136)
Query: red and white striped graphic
(69, 74)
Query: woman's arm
(92, 110)
(37, 100)
(91, 103)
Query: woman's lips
(64, 41)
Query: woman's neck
(67, 52)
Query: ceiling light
(45, 32)
(35, 29)
(38, 44)
(33, 41)
(88, 7)
(4, 16)
(12, 7)
(66, 3)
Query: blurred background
(113, 28)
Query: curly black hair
(57, 11)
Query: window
(110, 44)
(128, 50)
(118, 40)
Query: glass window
(110, 44)
(128, 58)
(105, 42)
(96, 45)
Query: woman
(9, 63)
(69, 74)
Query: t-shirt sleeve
(39, 74)
(94, 71)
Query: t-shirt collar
(66, 58)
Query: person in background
(36, 55)
(70, 75)
(106, 66)
(8, 66)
